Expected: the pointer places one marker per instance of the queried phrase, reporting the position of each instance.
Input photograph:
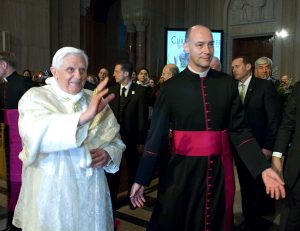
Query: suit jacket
(289, 132)
(263, 111)
(12, 90)
(133, 127)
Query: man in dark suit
(288, 136)
(131, 110)
(263, 115)
(12, 88)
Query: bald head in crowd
(168, 72)
(215, 64)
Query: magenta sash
(208, 143)
(11, 117)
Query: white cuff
(277, 154)
(109, 162)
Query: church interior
(109, 30)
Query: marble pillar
(130, 43)
(140, 45)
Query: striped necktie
(242, 92)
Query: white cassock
(60, 191)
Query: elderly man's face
(72, 74)
(166, 74)
(284, 79)
(263, 71)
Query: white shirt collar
(201, 74)
(126, 86)
(246, 83)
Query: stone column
(140, 45)
(130, 43)
(5, 41)
(135, 16)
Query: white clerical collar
(201, 74)
(69, 97)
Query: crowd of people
(77, 127)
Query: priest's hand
(273, 183)
(137, 195)
(100, 157)
(97, 104)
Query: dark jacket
(133, 127)
(289, 132)
(263, 111)
(12, 90)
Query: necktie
(122, 101)
(242, 92)
(123, 92)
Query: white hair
(262, 61)
(65, 51)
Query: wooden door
(253, 47)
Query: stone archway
(248, 18)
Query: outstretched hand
(137, 195)
(98, 102)
(273, 183)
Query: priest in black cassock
(204, 110)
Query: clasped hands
(100, 157)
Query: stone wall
(38, 28)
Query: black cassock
(196, 188)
